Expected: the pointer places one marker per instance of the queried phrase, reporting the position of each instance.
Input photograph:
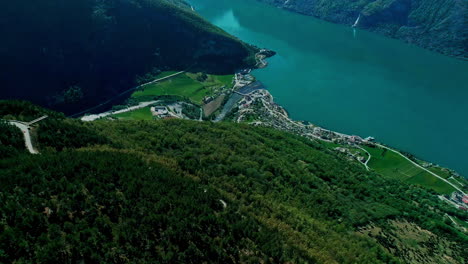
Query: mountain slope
(71, 55)
(439, 25)
(189, 192)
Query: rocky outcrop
(438, 25)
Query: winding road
(399, 153)
(368, 158)
(25, 127)
(419, 166)
(27, 136)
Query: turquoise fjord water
(356, 82)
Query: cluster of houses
(460, 199)
(160, 112)
(246, 102)
(352, 155)
(268, 113)
(261, 56)
(249, 99)
(217, 92)
(208, 99)
(275, 116)
(340, 138)
(243, 78)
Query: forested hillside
(439, 25)
(193, 192)
(69, 55)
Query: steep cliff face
(70, 55)
(439, 25)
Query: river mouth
(354, 81)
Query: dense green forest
(11, 140)
(198, 192)
(71, 55)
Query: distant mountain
(438, 25)
(71, 54)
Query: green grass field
(458, 182)
(330, 145)
(139, 114)
(361, 152)
(392, 165)
(429, 181)
(441, 172)
(185, 85)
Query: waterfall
(357, 21)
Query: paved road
(414, 163)
(419, 166)
(162, 79)
(368, 158)
(88, 118)
(122, 93)
(27, 136)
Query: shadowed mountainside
(70, 55)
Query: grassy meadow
(186, 85)
(138, 114)
(392, 165)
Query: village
(258, 108)
(242, 99)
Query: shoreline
(302, 128)
(247, 89)
(435, 44)
(263, 61)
